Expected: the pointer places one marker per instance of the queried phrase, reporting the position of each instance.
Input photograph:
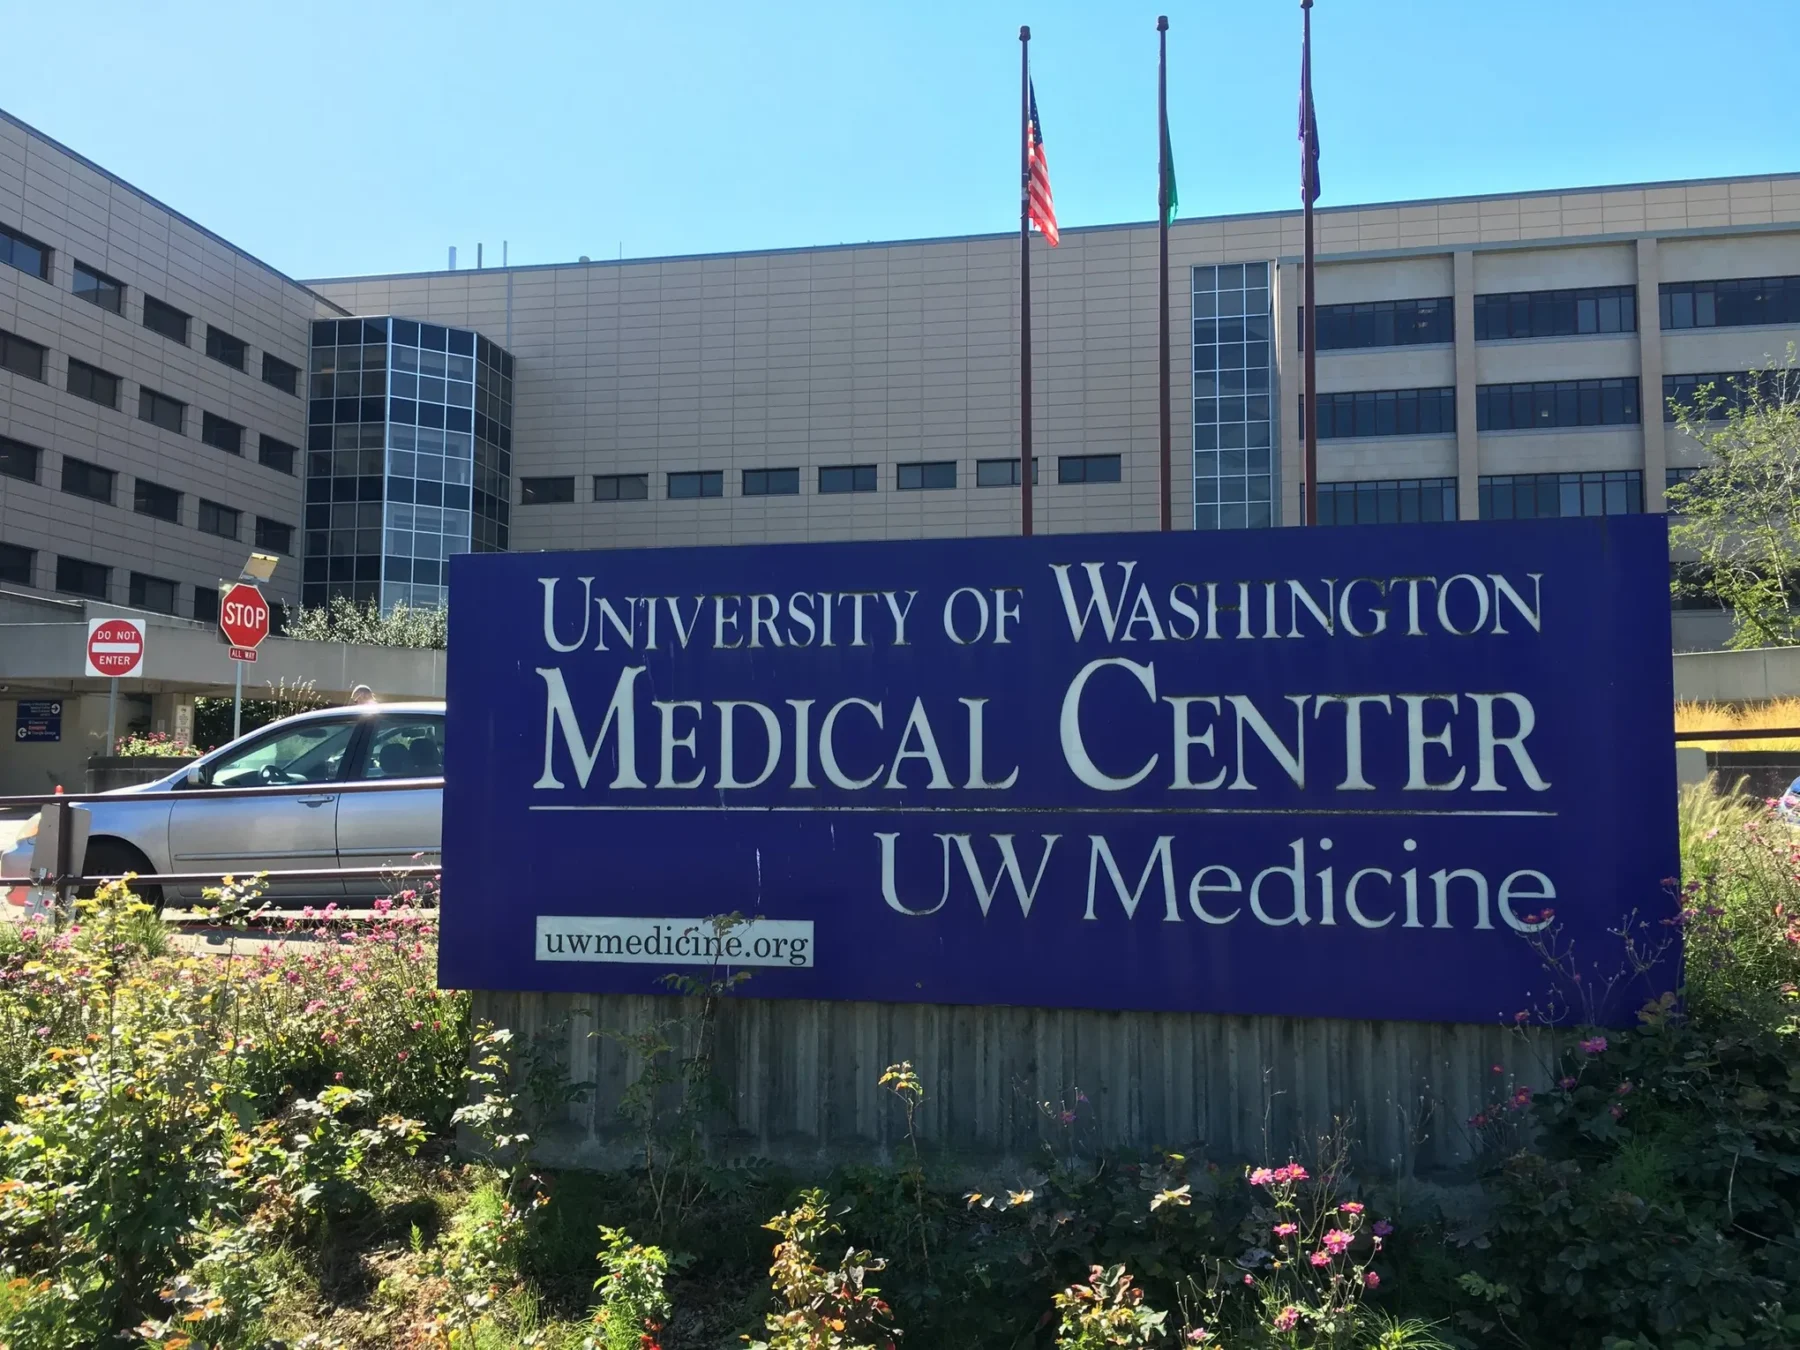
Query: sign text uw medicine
(1370, 772)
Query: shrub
(1105, 1312)
(835, 1309)
(153, 745)
(633, 1306)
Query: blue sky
(339, 138)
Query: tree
(343, 620)
(1739, 515)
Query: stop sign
(243, 619)
(115, 648)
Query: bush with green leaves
(820, 1307)
(1107, 1312)
(343, 620)
(634, 1307)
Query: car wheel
(113, 857)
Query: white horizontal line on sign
(675, 941)
(1029, 811)
(132, 647)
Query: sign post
(243, 623)
(115, 651)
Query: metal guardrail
(57, 819)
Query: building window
(152, 593)
(152, 499)
(1387, 501)
(274, 537)
(697, 483)
(1729, 391)
(771, 482)
(1674, 478)
(1690, 587)
(1233, 415)
(1381, 323)
(162, 317)
(87, 480)
(1537, 314)
(280, 374)
(25, 253)
(1387, 412)
(94, 384)
(621, 487)
(21, 356)
(1539, 496)
(221, 346)
(206, 604)
(847, 478)
(276, 455)
(1750, 301)
(926, 475)
(17, 564)
(1088, 468)
(99, 289)
(1002, 472)
(545, 491)
(75, 577)
(19, 460)
(1557, 403)
(219, 520)
(221, 433)
(161, 410)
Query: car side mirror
(194, 777)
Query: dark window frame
(75, 477)
(13, 348)
(205, 611)
(88, 382)
(1730, 302)
(102, 285)
(1513, 316)
(857, 478)
(220, 346)
(921, 471)
(1368, 413)
(555, 490)
(221, 433)
(622, 487)
(165, 311)
(156, 501)
(14, 452)
(1384, 501)
(1080, 469)
(18, 565)
(1604, 487)
(153, 408)
(218, 511)
(770, 483)
(276, 454)
(1558, 404)
(13, 243)
(707, 484)
(1422, 321)
(138, 592)
(287, 375)
(274, 536)
(65, 583)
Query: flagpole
(1162, 258)
(1025, 281)
(1309, 407)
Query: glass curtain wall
(1233, 374)
(409, 458)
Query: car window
(406, 747)
(309, 753)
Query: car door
(246, 835)
(401, 827)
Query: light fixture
(260, 567)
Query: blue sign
(1371, 772)
(39, 720)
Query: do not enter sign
(115, 648)
(243, 620)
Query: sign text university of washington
(1335, 772)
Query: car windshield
(310, 753)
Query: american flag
(1039, 206)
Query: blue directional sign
(1369, 772)
(38, 720)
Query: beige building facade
(1480, 356)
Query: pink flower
(1287, 1319)
(1495, 1068)
(1595, 1046)
(329, 1037)
(1283, 1230)
(1383, 1228)
(1351, 1207)
(1371, 1280)
(1249, 1279)
(1618, 1112)
(401, 1056)
(1624, 1088)
(1337, 1241)
(1565, 1083)
(1262, 1176)
(1320, 1258)
(313, 1007)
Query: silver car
(177, 825)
